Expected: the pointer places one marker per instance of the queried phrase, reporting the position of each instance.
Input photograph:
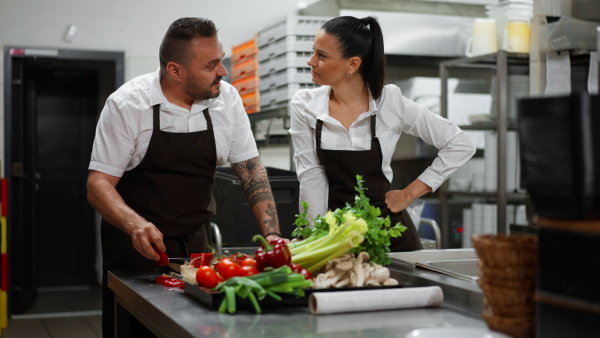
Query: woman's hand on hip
(397, 200)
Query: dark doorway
(52, 102)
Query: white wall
(133, 26)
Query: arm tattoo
(255, 183)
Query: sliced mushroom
(390, 281)
(344, 266)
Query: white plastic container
(292, 25)
(290, 43)
(282, 61)
(282, 93)
(285, 76)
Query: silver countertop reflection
(169, 312)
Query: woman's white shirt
(395, 114)
(126, 124)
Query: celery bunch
(345, 233)
(376, 239)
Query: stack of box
(244, 74)
(283, 53)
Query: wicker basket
(509, 277)
(516, 327)
(507, 301)
(506, 250)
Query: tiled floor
(60, 312)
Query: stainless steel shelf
(510, 197)
(502, 63)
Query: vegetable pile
(376, 238)
(269, 273)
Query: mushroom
(381, 273)
(358, 268)
(344, 266)
(352, 278)
(390, 281)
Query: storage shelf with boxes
(283, 50)
(244, 73)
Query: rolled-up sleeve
(243, 144)
(114, 143)
(311, 174)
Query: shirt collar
(319, 102)
(157, 96)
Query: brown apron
(172, 188)
(342, 166)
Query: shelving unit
(503, 62)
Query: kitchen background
(63, 58)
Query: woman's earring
(349, 75)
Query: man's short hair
(175, 46)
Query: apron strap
(373, 121)
(156, 117)
(318, 132)
(209, 125)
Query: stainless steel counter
(169, 312)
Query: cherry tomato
(227, 268)
(239, 257)
(199, 259)
(164, 259)
(207, 277)
(249, 261)
(299, 269)
(247, 270)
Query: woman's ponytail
(362, 38)
(373, 70)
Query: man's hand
(268, 238)
(104, 197)
(142, 237)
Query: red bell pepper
(169, 281)
(274, 253)
(199, 259)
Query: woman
(352, 123)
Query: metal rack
(501, 61)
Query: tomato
(207, 277)
(199, 259)
(249, 261)
(247, 270)
(239, 257)
(227, 268)
(299, 269)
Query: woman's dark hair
(362, 38)
(175, 46)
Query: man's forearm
(255, 184)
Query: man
(158, 141)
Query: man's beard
(199, 93)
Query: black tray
(213, 299)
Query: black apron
(172, 187)
(342, 166)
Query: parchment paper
(374, 300)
